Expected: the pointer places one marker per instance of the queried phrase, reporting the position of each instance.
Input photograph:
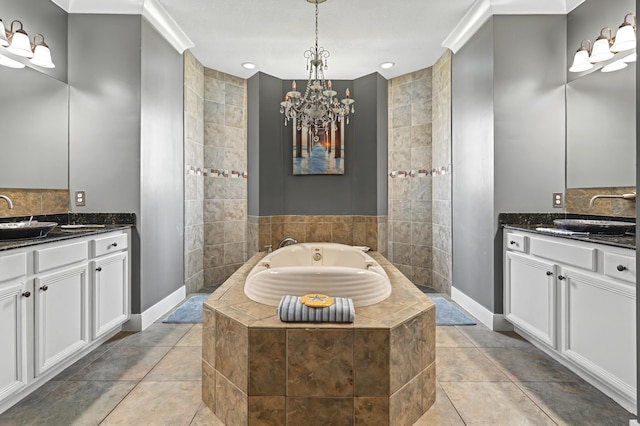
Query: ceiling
(359, 34)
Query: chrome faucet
(631, 196)
(8, 200)
(287, 241)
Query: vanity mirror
(601, 129)
(34, 130)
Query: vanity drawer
(516, 242)
(110, 244)
(13, 266)
(582, 257)
(620, 267)
(55, 257)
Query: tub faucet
(287, 241)
(631, 196)
(8, 200)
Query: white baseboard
(139, 322)
(493, 321)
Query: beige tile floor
(153, 378)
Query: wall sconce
(606, 46)
(581, 58)
(17, 42)
(602, 47)
(626, 35)
(8, 62)
(41, 53)
(19, 39)
(614, 66)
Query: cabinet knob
(99, 268)
(549, 273)
(44, 287)
(621, 268)
(512, 242)
(26, 294)
(560, 277)
(114, 244)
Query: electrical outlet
(558, 201)
(80, 199)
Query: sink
(609, 227)
(21, 230)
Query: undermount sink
(23, 230)
(609, 227)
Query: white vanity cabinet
(58, 301)
(61, 303)
(13, 324)
(576, 300)
(109, 284)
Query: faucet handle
(269, 248)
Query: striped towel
(291, 309)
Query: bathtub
(336, 270)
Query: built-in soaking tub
(336, 270)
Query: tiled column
(225, 188)
(409, 222)
(193, 180)
(441, 200)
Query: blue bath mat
(189, 312)
(447, 314)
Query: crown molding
(470, 23)
(160, 19)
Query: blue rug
(447, 314)
(189, 312)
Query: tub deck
(379, 368)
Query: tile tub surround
(370, 231)
(257, 369)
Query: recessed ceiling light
(249, 65)
(387, 65)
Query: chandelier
(318, 108)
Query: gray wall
(265, 158)
(40, 17)
(160, 224)
(521, 99)
(473, 167)
(104, 111)
(272, 187)
(117, 113)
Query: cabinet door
(110, 293)
(61, 316)
(530, 296)
(13, 335)
(598, 327)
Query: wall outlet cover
(558, 200)
(80, 198)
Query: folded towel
(291, 309)
(561, 231)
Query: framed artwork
(316, 152)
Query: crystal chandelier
(318, 108)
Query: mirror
(34, 130)
(601, 129)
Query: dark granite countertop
(111, 222)
(530, 221)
